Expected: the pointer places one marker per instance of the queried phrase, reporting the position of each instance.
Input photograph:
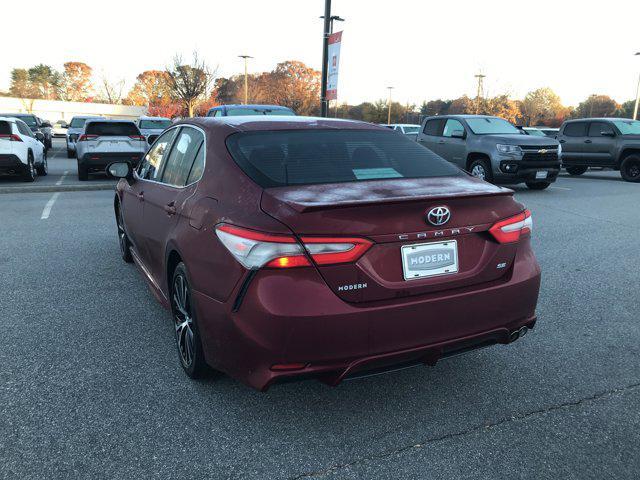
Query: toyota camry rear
(332, 249)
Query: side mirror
(608, 133)
(40, 136)
(457, 134)
(46, 124)
(120, 170)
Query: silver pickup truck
(493, 149)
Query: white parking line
(59, 182)
(560, 188)
(48, 206)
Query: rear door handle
(440, 142)
(562, 141)
(140, 196)
(170, 208)
(588, 141)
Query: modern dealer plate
(429, 259)
(540, 174)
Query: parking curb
(58, 188)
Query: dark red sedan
(305, 247)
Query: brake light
(86, 138)
(137, 137)
(11, 137)
(256, 250)
(511, 229)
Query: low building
(54, 110)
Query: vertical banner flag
(334, 62)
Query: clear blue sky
(425, 49)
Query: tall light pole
(246, 81)
(389, 110)
(324, 103)
(635, 109)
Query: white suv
(20, 152)
(107, 141)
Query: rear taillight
(11, 137)
(256, 250)
(511, 229)
(86, 138)
(136, 137)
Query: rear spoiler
(307, 198)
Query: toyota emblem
(438, 216)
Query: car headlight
(509, 149)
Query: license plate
(429, 259)
(541, 174)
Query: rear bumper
(287, 319)
(11, 165)
(98, 162)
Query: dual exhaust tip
(516, 334)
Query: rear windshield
(78, 122)
(155, 124)
(298, 157)
(112, 129)
(236, 112)
(28, 119)
(490, 126)
(5, 128)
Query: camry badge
(438, 216)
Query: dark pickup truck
(601, 142)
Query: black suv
(601, 142)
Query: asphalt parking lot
(91, 386)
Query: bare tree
(111, 92)
(190, 83)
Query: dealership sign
(334, 62)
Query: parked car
(492, 149)
(60, 128)
(408, 129)
(105, 141)
(238, 110)
(152, 127)
(601, 142)
(40, 128)
(76, 127)
(321, 248)
(21, 153)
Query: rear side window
(432, 127)
(112, 129)
(298, 157)
(576, 129)
(155, 124)
(5, 128)
(597, 128)
(181, 157)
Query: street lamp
(337, 18)
(635, 109)
(246, 83)
(389, 110)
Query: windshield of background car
(78, 122)
(628, 127)
(303, 157)
(490, 126)
(236, 112)
(155, 124)
(535, 132)
(411, 129)
(112, 129)
(29, 120)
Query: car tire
(83, 175)
(537, 185)
(481, 168)
(630, 168)
(188, 342)
(70, 153)
(43, 168)
(123, 239)
(30, 174)
(575, 171)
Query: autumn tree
(435, 107)
(75, 82)
(500, 106)
(540, 106)
(110, 91)
(596, 106)
(20, 85)
(625, 110)
(292, 84)
(44, 81)
(190, 83)
(152, 87)
(462, 105)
